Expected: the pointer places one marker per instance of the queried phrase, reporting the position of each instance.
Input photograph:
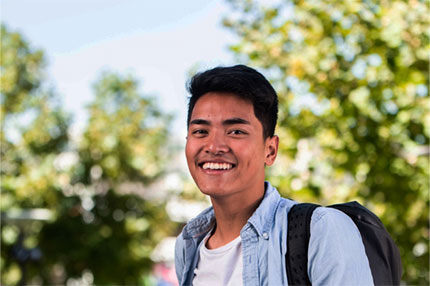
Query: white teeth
(217, 166)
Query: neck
(231, 215)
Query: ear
(271, 150)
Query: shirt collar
(200, 225)
(262, 218)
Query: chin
(212, 190)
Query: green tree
(111, 218)
(354, 122)
(100, 187)
(33, 131)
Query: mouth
(216, 166)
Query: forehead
(223, 104)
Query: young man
(241, 239)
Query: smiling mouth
(216, 166)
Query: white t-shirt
(220, 266)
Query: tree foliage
(33, 131)
(22, 74)
(109, 215)
(354, 122)
(33, 126)
(106, 214)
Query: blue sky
(157, 41)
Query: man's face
(226, 152)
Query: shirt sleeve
(336, 254)
(179, 257)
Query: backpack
(381, 251)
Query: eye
(199, 132)
(237, 132)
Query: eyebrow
(230, 121)
(236, 120)
(200, 122)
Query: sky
(158, 42)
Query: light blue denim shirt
(336, 254)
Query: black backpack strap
(296, 259)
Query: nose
(216, 144)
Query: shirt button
(265, 235)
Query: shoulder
(332, 229)
(330, 216)
(329, 224)
(336, 252)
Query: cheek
(250, 157)
(188, 151)
(191, 150)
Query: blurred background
(94, 184)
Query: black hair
(244, 82)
